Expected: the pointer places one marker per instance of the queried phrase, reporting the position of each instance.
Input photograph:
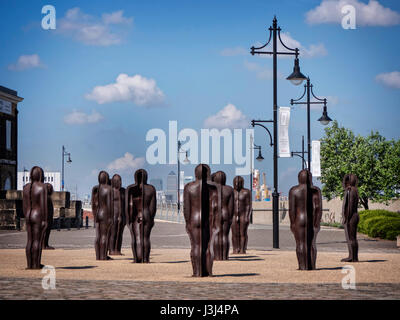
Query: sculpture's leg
(195, 255)
(120, 237)
(103, 243)
(348, 241)
(28, 249)
(97, 241)
(138, 241)
(133, 244)
(235, 237)
(352, 236)
(147, 244)
(112, 239)
(243, 238)
(301, 248)
(225, 241)
(209, 263)
(36, 238)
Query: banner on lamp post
(283, 129)
(316, 158)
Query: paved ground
(263, 273)
(173, 235)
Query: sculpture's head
(238, 183)
(116, 181)
(305, 177)
(37, 174)
(49, 189)
(104, 178)
(141, 176)
(202, 171)
(350, 180)
(219, 177)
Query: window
(7, 184)
(8, 134)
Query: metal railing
(168, 211)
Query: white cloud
(127, 162)
(228, 117)
(77, 117)
(237, 51)
(25, 62)
(261, 72)
(390, 79)
(116, 17)
(93, 31)
(371, 14)
(138, 89)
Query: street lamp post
(296, 78)
(308, 89)
(259, 158)
(64, 153)
(300, 154)
(186, 161)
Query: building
(171, 193)
(9, 100)
(54, 178)
(157, 183)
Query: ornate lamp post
(64, 153)
(308, 88)
(300, 154)
(296, 78)
(259, 159)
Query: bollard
(87, 222)
(58, 223)
(69, 224)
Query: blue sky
(191, 60)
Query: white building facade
(54, 178)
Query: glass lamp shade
(296, 77)
(325, 118)
(260, 157)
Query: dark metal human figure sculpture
(102, 209)
(35, 195)
(141, 207)
(223, 220)
(350, 215)
(241, 215)
(305, 212)
(119, 218)
(201, 202)
(50, 214)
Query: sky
(111, 71)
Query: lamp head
(325, 118)
(260, 157)
(296, 77)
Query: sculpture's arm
(43, 204)
(248, 206)
(153, 203)
(186, 204)
(292, 209)
(95, 202)
(127, 212)
(318, 211)
(231, 208)
(26, 200)
(345, 207)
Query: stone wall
(67, 213)
(332, 210)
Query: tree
(375, 161)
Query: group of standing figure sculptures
(114, 207)
(305, 212)
(211, 210)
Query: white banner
(283, 129)
(316, 158)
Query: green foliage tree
(375, 161)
